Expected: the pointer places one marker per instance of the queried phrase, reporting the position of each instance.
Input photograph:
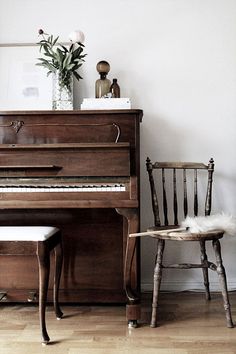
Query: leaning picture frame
(23, 85)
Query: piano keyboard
(63, 188)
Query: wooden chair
(16, 240)
(178, 174)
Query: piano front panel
(94, 234)
(52, 127)
(65, 160)
(93, 262)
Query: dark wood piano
(79, 171)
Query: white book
(106, 103)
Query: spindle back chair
(176, 167)
(168, 203)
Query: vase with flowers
(63, 63)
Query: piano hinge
(32, 296)
(3, 296)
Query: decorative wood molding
(18, 124)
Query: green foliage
(59, 58)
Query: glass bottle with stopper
(102, 85)
(115, 89)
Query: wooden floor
(187, 324)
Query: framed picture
(23, 85)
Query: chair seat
(26, 233)
(166, 234)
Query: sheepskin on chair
(223, 222)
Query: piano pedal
(3, 296)
(32, 296)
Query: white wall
(176, 59)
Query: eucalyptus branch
(56, 57)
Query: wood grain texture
(187, 324)
(94, 234)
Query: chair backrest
(175, 189)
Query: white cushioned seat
(26, 233)
(44, 239)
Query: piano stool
(44, 239)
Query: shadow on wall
(156, 138)
(164, 143)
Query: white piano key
(63, 188)
(100, 189)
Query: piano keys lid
(70, 159)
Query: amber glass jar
(115, 89)
(102, 85)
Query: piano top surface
(79, 112)
(64, 146)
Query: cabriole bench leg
(43, 255)
(58, 267)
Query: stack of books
(106, 103)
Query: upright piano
(79, 171)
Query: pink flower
(76, 36)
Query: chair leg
(204, 261)
(58, 266)
(222, 278)
(157, 281)
(43, 255)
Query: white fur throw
(224, 222)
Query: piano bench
(41, 240)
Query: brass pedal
(3, 296)
(32, 296)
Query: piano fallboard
(73, 159)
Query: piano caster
(3, 296)
(132, 324)
(133, 314)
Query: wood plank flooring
(187, 325)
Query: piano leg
(133, 298)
